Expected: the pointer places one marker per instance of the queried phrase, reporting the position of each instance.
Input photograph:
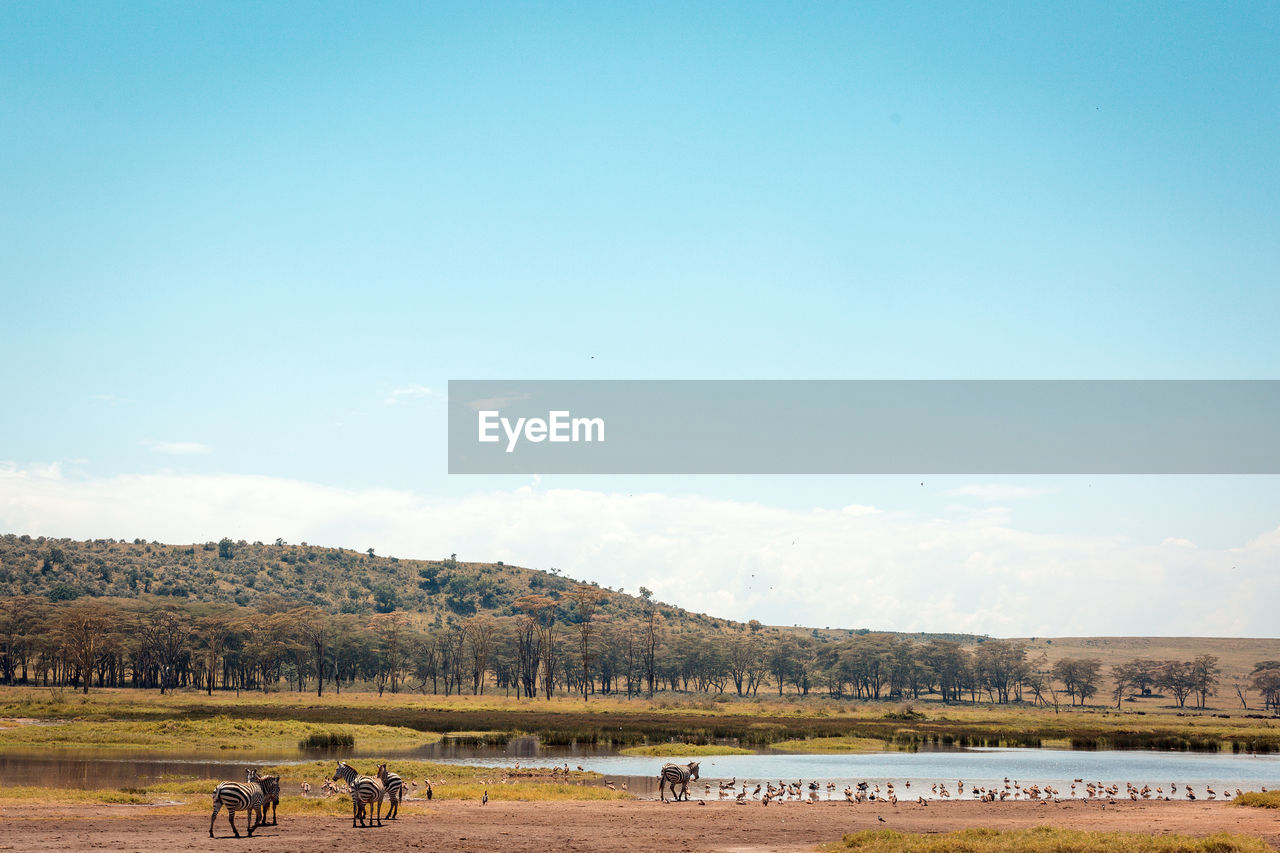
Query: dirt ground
(513, 827)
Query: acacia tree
(1176, 677)
(316, 628)
(1265, 678)
(480, 631)
(82, 630)
(1204, 671)
(542, 611)
(390, 628)
(528, 655)
(213, 633)
(586, 600)
(1003, 665)
(1079, 677)
(652, 630)
(20, 624)
(1126, 676)
(163, 635)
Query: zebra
(365, 790)
(395, 789)
(677, 774)
(270, 794)
(244, 796)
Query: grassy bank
(693, 750)
(1259, 799)
(833, 745)
(449, 782)
(694, 719)
(221, 733)
(1045, 839)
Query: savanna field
(131, 652)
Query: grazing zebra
(365, 790)
(270, 793)
(395, 789)
(676, 774)
(244, 796)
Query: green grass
(1043, 839)
(212, 733)
(693, 750)
(1259, 799)
(620, 722)
(833, 745)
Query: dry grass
(460, 782)
(1259, 799)
(1044, 839)
(1235, 656)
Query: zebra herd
(257, 793)
(252, 795)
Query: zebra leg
(662, 788)
(355, 811)
(216, 807)
(379, 810)
(231, 818)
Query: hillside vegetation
(236, 615)
(279, 575)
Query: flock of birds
(766, 792)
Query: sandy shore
(603, 826)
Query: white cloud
(826, 566)
(497, 402)
(176, 448)
(410, 392)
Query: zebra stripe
(395, 789)
(677, 774)
(238, 797)
(270, 794)
(365, 790)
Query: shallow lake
(923, 769)
(981, 767)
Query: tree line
(549, 644)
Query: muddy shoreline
(587, 827)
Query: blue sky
(250, 243)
